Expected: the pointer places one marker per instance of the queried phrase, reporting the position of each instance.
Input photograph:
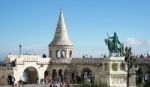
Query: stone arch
(76, 77)
(46, 73)
(67, 76)
(147, 77)
(61, 76)
(30, 75)
(87, 75)
(47, 77)
(54, 74)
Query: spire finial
(61, 11)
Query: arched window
(70, 53)
(63, 54)
(122, 66)
(106, 67)
(100, 67)
(58, 54)
(114, 66)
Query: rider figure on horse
(115, 40)
(114, 44)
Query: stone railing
(44, 61)
(60, 61)
(32, 58)
(144, 60)
(79, 61)
(87, 60)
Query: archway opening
(76, 78)
(54, 75)
(147, 77)
(63, 54)
(60, 74)
(30, 75)
(46, 73)
(87, 76)
(67, 76)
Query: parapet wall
(28, 58)
(38, 60)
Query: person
(12, 81)
(67, 85)
(14, 85)
(115, 40)
(63, 84)
(9, 80)
(115, 46)
(51, 84)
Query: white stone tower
(61, 47)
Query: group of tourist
(61, 84)
(51, 83)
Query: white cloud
(148, 42)
(133, 41)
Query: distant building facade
(60, 65)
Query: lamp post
(20, 49)
(128, 56)
(139, 75)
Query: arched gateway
(87, 76)
(30, 75)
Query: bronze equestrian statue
(114, 45)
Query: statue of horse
(114, 47)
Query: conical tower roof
(61, 35)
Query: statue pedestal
(116, 74)
(114, 55)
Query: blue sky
(32, 23)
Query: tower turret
(60, 47)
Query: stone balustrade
(79, 61)
(37, 58)
(87, 60)
(144, 60)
